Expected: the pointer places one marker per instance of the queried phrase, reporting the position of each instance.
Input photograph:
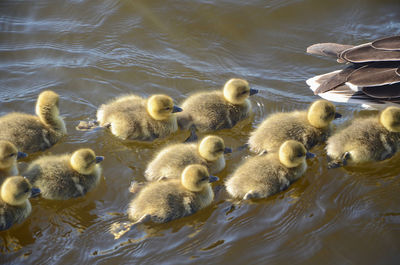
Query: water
(90, 51)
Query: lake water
(91, 51)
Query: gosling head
(84, 161)
(321, 113)
(16, 190)
(213, 147)
(390, 119)
(48, 102)
(161, 107)
(236, 91)
(9, 155)
(196, 178)
(293, 153)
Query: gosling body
(263, 176)
(61, 177)
(172, 160)
(365, 140)
(171, 199)
(14, 201)
(310, 127)
(134, 118)
(215, 110)
(31, 133)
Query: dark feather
(366, 53)
(328, 49)
(389, 43)
(373, 77)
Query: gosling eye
(300, 155)
(13, 154)
(26, 190)
(245, 92)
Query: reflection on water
(91, 51)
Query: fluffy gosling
(215, 110)
(172, 160)
(368, 139)
(310, 127)
(31, 133)
(14, 204)
(8, 160)
(163, 201)
(134, 118)
(61, 177)
(263, 176)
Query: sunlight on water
(92, 51)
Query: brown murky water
(90, 51)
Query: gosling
(14, 204)
(31, 133)
(263, 176)
(215, 110)
(163, 201)
(368, 139)
(61, 177)
(172, 160)
(8, 160)
(310, 128)
(134, 118)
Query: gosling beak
(253, 91)
(21, 155)
(35, 192)
(227, 150)
(213, 179)
(310, 155)
(99, 159)
(176, 109)
(337, 115)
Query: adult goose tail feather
(371, 78)
(328, 49)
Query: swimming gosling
(265, 175)
(172, 160)
(8, 160)
(61, 177)
(134, 118)
(310, 127)
(215, 110)
(14, 204)
(368, 139)
(163, 201)
(31, 133)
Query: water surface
(91, 51)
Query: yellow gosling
(8, 160)
(172, 160)
(31, 133)
(14, 204)
(265, 175)
(61, 177)
(368, 139)
(134, 118)
(215, 110)
(310, 127)
(163, 201)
